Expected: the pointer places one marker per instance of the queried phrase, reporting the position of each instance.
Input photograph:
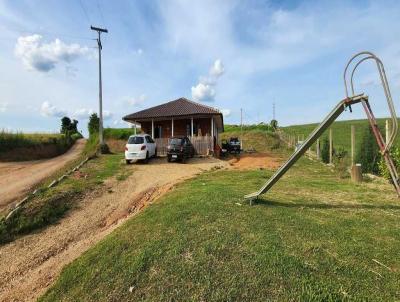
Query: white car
(140, 147)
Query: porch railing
(202, 145)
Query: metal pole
(100, 95)
(99, 31)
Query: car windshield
(234, 140)
(135, 140)
(175, 141)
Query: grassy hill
(16, 146)
(341, 131)
(258, 137)
(314, 237)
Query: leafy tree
(274, 124)
(65, 124)
(74, 126)
(325, 150)
(368, 155)
(93, 125)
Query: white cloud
(3, 106)
(83, 113)
(203, 93)
(107, 115)
(137, 101)
(217, 69)
(48, 110)
(226, 112)
(40, 56)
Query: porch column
(191, 126)
(135, 127)
(172, 127)
(152, 129)
(212, 133)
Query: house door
(158, 132)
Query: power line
(84, 11)
(101, 12)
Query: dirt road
(17, 178)
(30, 264)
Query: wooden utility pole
(241, 128)
(353, 144)
(99, 31)
(330, 146)
(387, 132)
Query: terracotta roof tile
(179, 107)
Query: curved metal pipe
(385, 85)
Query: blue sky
(226, 54)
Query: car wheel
(128, 161)
(147, 158)
(169, 158)
(155, 153)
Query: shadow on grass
(264, 202)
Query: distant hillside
(257, 137)
(341, 131)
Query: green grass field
(314, 237)
(17, 146)
(258, 138)
(341, 131)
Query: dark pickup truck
(179, 148)
(231, 146)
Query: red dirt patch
(256, 161)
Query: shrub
(383, 170)
(76, 136)
(325, 150)
(340, 161)
(93, 125)
(368, 155)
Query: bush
(340, 161)
(325, 150)
(383, 170)
(76, 136)
(368, 155)
(118, 133)
(94, 124)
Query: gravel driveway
(30, 264)
(17, 178)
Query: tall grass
(119, 133)
(17, 146)
(12, 140)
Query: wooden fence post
(387, 128)
(353, 144)
(330, 146)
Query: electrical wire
(101, 12)
(84, 11)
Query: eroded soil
(17, 178)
